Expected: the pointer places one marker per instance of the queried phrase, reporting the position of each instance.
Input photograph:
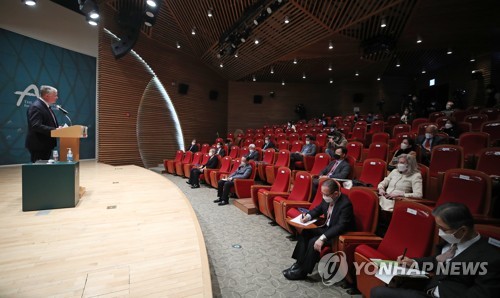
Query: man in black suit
(464, 249)
(427, 142)
(268, 144)
(337, 209)
(252, 153)
(194, 175)
(224, 185)
(41, 121)
(339, 168)
(193, 147)
(220, 150)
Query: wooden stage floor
(133, 234)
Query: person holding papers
(467, 265)
(338, 212)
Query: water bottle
(55, 155)
(69, 157)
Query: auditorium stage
(133, 233)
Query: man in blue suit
(224, 186)
(41, 121)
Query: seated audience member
(229, 144)
(369, 118)
(194, 177)
(405, 118)
(404, 181)
(427, 142)
(268, 144)
(407, 146)
(451, 129)
(463, 248)
(290, 125)
(193, 147)
(335, 140)
(220, 150)
(224, 186)
(309, 149)
(448, 111)
(252, 153)
(337, 209)
(337, 169)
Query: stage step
(246, 205)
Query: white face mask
(251, 150)
(210, 153)
(402, 167)
(307, 142)
(448, 125)
(327, 199)
(450, 238)
(428, 135)
(404, 146)
(266, 141)
(448, 107)
(193, 143)
(242, 163)
(218, 146)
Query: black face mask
(336, 156)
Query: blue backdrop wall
(27, 63)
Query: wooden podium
(69, 137)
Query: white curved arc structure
(178, 129)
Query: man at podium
(41, 121)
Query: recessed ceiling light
(151, 3)
(330, 67)
(254, 78)
(221, 65)
(449, 52)
(357, 73)
(331, 81)
(283, 82)
(295, 61)
(383, 23)
(378, 78)
(304, 75)
(256, 41)
(272, 70)
(210, 13)
(287, 20)
(178, 45)
(330, 45)
(193, 31)
(30, 2)
(419, 39)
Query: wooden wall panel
(135, 127)
(318, 98)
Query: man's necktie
(427, 144)
(450, 253)
(329, 214)
(333, 168)
(53, 117)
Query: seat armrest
(370, 240)
(420, 201)
(292, 204)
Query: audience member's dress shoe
(195, 186)
(293, 267)
(222, 203)
(296, 274)
(291, 237)
(188, 182)
(217, 201)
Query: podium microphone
(65, 114)
(61, 109)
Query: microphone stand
(70, 123)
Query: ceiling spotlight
(472, 59)
(449, 52)
(287, 20)
(30, 2)
(330, 67)
(94, 15)
(210, 13)
(283, 82)
(331, 81)
(330, 45)
(419, 39)
(236, 54)
(272, 70)
(256, 41)
(254, 78)
(193, 31)
(398, 64)
(221, 65)
(151, 3)
(91, 21)
(178, 45)
(295, 61)
(424, 71)
(383, 23)
(357, 73)
(378, 78)
(474, 71)
(304, 75)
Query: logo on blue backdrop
(27, 92)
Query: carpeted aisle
(246, 254)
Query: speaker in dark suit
(41, 121)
